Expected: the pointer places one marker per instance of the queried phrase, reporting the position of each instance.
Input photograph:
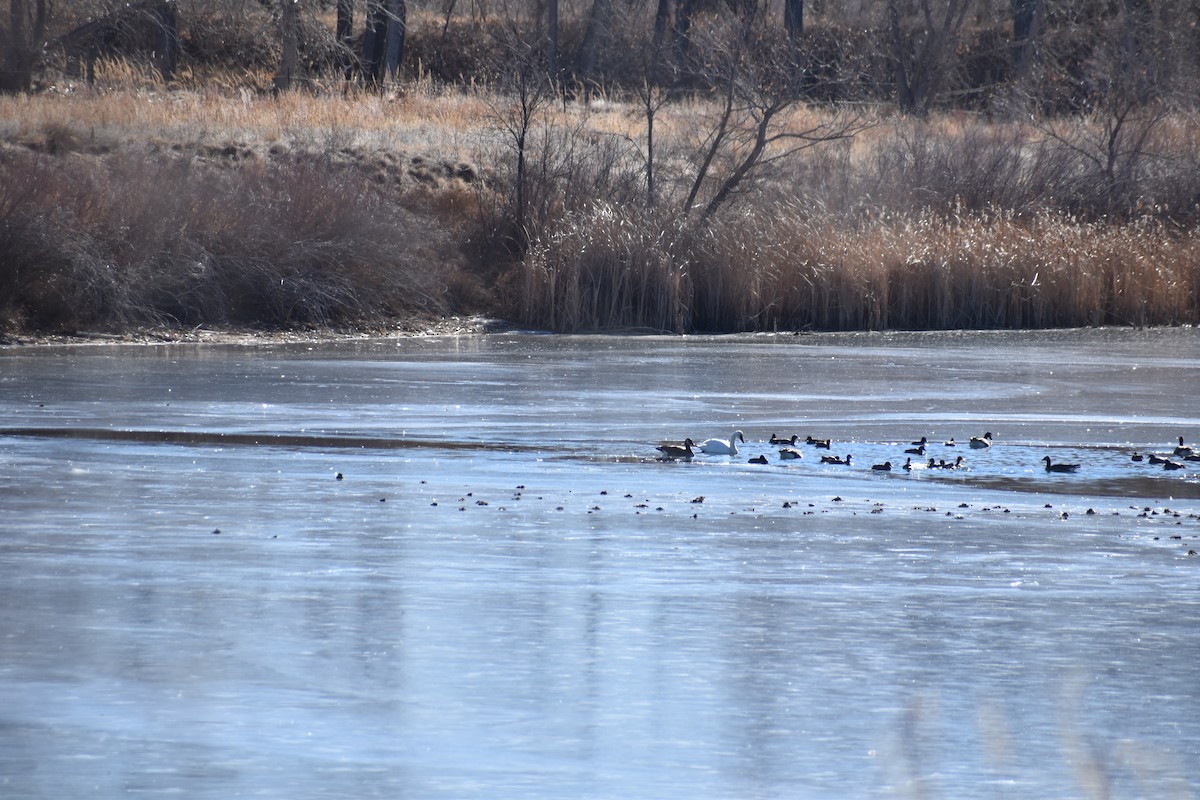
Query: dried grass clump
(146, 240)
(606, 270)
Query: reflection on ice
(508, 595)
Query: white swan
(720, 447)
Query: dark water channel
(454, 568)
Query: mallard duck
(1052, 467)
(674, 452)
(818, 443)
(979, 442)
(720, 447)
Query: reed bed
(932, 271)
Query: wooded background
(1050, 56)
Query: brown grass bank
(133, 205)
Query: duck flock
(789, 448)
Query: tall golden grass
(929, 271)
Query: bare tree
(526, 90)
(924, 35)
(756, 125)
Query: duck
(1137, 457)
(720, 447)
(835, 460)
(790, 452)
(674, 452)
(955, 464)
(916, 451)
(1158, 459)
(1052, 467)
(921, 442)
(1182, 450)
(818, 443)
(780, 440)
(884, 467)
(759, 460)
(1169, 464)
(908, 465)
(950, 442)
(980, 442)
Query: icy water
(454, 568)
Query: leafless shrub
(141, 239)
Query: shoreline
(251, 337)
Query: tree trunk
(599, 22)
(374, 41)
(552, 39)
(1026, 14)
(683, 22)
(289, 23)
(662, 16)
(345, 36)
(20, 49)
(166, 48)
(397, 23)
(793, 18)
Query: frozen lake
(454, 568)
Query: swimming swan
(720, 447)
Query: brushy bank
(133, 206)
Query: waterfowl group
(790, 451)
(944, 464)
